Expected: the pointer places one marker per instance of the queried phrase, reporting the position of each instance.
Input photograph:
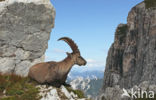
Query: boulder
(25, 27)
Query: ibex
(55, 73)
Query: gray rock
(9, 62)
(25, 27)
(131, 59)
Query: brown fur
(55, 73)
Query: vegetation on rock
(121, 32)
(13, 87)
(150, 3)
(79, 93)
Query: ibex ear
(69, 54)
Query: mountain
(131, 61)
(87, 85)
(85, 74)
(88, 81)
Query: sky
(91, 24)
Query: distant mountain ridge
(88, 81)
(85, 74)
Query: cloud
(95, 63)
(91, 61)
(56, 50)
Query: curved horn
(71, 44)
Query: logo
(125, 94)
(137, 94)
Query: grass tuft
(14, 87)
(79, 93)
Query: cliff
(25, 27)
(131, 60)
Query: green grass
(17, 88)
(150, 3)
(79, 93)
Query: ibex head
(75, 55)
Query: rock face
(25, 27)
(132, 57)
